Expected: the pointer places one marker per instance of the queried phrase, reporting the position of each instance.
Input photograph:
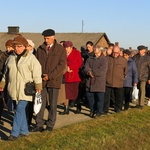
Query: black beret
(126, 51)
(141, 47)
(48, 32)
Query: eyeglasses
(116, 53)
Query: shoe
(65, 112)
(148, 103)
(37, 129)
(92, 115)
(97, 116)
(48, 129)
(139, 107)
(78, 111)
(12, 138)
(22, 135)
(118, 111)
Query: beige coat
(17, 74)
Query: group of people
(101, 75)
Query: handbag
(30, 89)
(37, 103)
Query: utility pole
(82, 25)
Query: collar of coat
(43, 46)
(24, 54)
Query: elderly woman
(21, 67)
(131, 79)
(71, 77)
(96, 68)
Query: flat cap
(140, 47)
(48, 32)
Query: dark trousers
(118, 97)
(127, 96)
(1, 107)
(95, 98)
(29, 112)
(52, 109)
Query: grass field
(128, 130)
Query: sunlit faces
(142, 52)
(97, 52)
(19, 48)
(116, 51)
(49, 39)
(89, 48)
(68, 50)
(29, 48)
(126, 56)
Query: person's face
(142, 52)
(29, 48)
(97, 52)
(49, 40)
(116, 52)
(109, 50)
(89, 48)
(68, 50)
(19, 48)
(9, 48)
(126, 56)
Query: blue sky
(124, 21)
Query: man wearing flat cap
(142, 61)
(52, 57)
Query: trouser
(118, 97)
(127, 96)
(52, 109)
(141, 86)
(20, 121)
(29, 112)
(95, 98)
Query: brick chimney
(13, 30)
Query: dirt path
(62, 120)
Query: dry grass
(125, 131)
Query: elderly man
(142, 61)
(117, 70)
(52, 57)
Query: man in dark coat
(52, 57)
(117, 70)
(142, 61)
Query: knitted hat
(20, 40)
(9, 43)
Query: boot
(78, 111)
(66, 111)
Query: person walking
(52, 57)
(21, 67)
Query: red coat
(74, 61)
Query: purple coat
(98, 67)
